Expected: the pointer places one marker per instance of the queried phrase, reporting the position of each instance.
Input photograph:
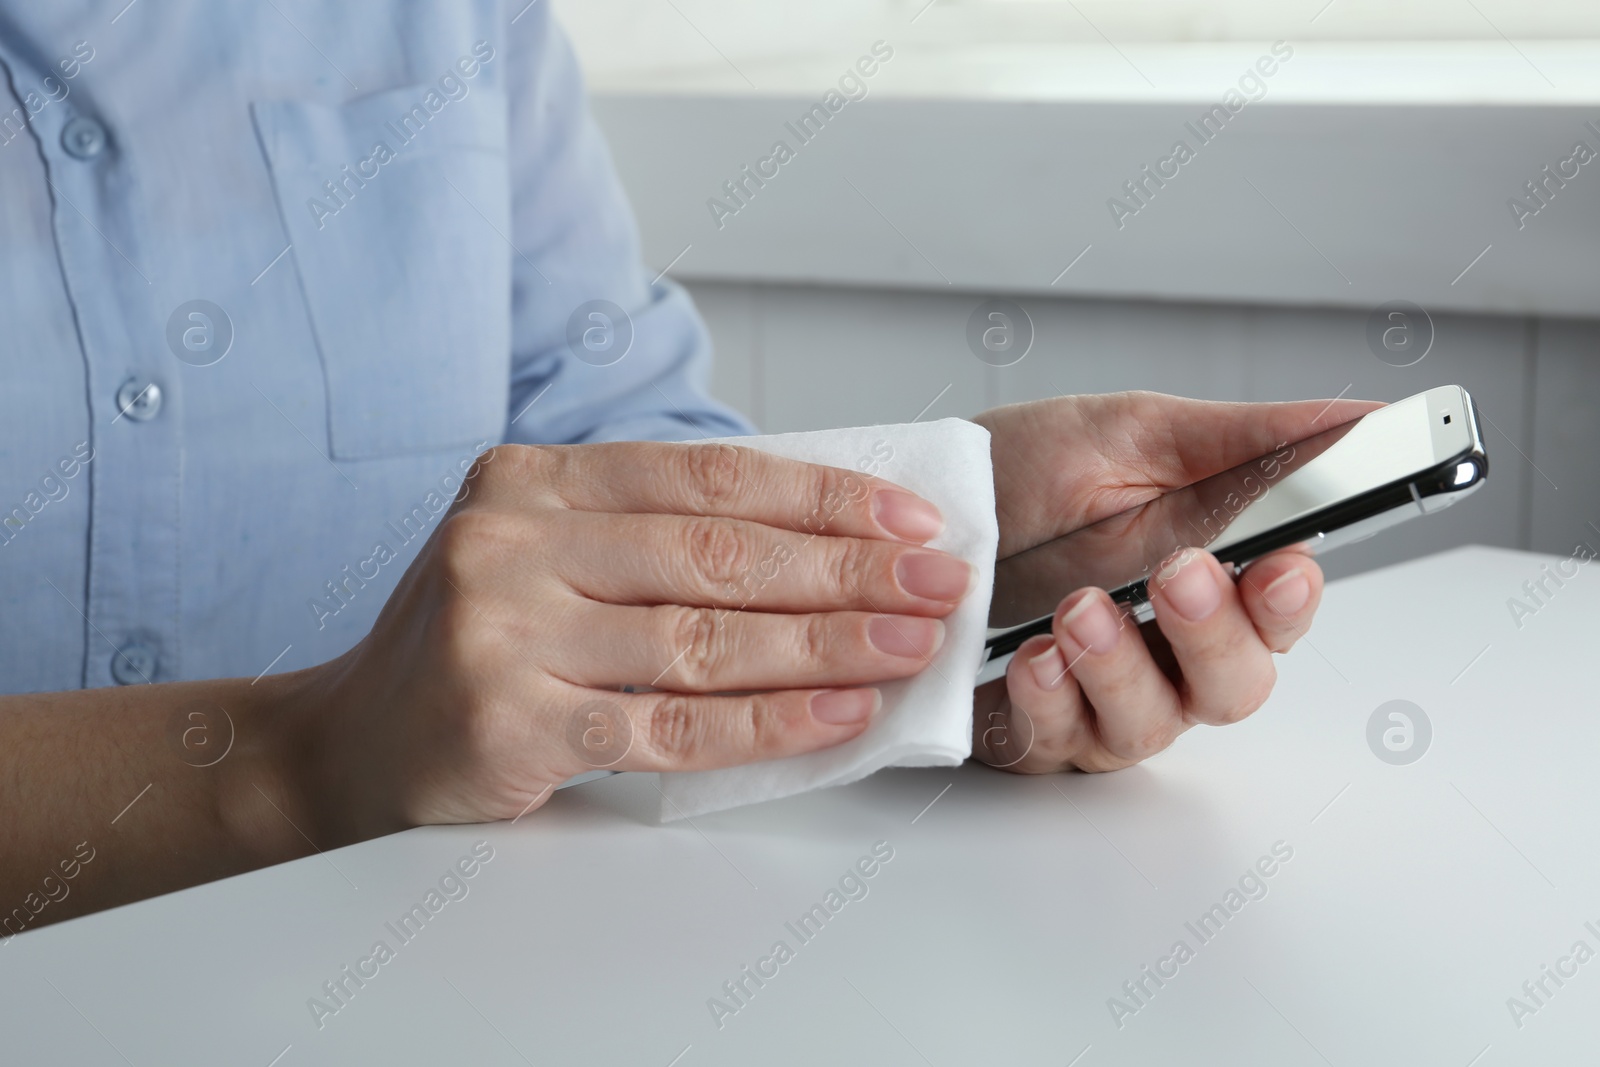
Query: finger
(704, 650)
(676, 732)
(1004, 734)
(731, 481)
(1137, 711)
(1280, 594)
(1227, 670)
(1041, 722)
(728, 563)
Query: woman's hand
(1095, 694)
(493, 672)
(565, 573)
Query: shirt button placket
(134, 535)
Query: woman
(275, 279)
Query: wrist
(325, 751)
(271, 795)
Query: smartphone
(1411, 458)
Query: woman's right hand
(564, 573)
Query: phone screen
(1228, 510)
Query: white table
(1418, 899)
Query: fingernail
(1192, 589)
(906, 635)
(840, 707)
(1288, 593)
(1091, 625)
(934, 575)
(1049, 667)
(906, 515)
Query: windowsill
(1320, 72)
(1363, 173)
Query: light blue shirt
(270, 276)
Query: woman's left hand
(1096, 694)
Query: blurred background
(1374, 198)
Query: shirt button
(139, 400)
(134, 663)
(83, 138)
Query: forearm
(114, 795)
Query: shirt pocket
(397, 213)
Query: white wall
(794, 357)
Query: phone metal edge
(1431, 483)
